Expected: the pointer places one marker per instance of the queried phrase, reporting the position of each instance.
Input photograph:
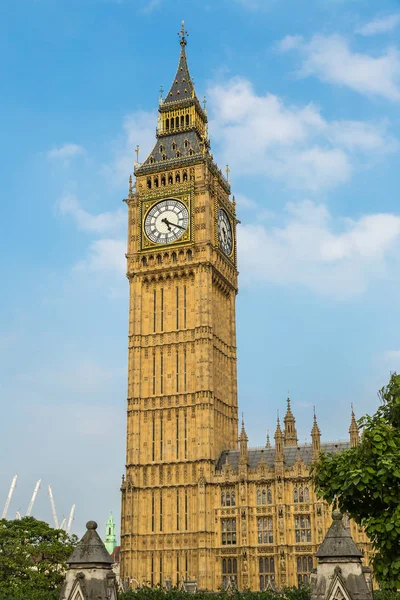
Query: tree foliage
(32, 559)
(147, 593)
(366, 482)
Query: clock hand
(167, 223)
(176, 225)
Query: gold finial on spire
(227, 171)
(183, 34)
(137, 150)
(161, 95)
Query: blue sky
(303, 100)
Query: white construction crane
(18, 515)
(53, 507)
(63, 522)
(71, 518)
(10, 493)
(32, 502)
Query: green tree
(365, 480)
(32, 559)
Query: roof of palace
(290, 453)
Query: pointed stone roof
(338, 542)
(182, 87)
(90, 549)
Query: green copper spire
(111, 539)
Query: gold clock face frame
(225, 232)
(166, 221)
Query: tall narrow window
(161, 434)
(161, 373)
(154, 310)
(177, 434)
(265, 530)
(152, 570)
(162, 310)
(177, 370)
(153, 512)
(184, 306)
(302, 528)
(154, 373)
(177, 308)
(177, 568)
(186, 509)
(161, 510)
(184, 370)
(186, 564)
(266, 571)
(177, 509)
(185, 433)
(228, 530)
(161, 569)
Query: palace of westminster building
(197, 503)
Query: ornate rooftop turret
(278, 442)
(316, 439)
(268, 442)
(182, 87)
(353, 430)
(290, 438)
(243, 440)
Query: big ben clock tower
(182, 386)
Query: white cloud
(66, 152)
(380, 25)
(293, 144)
(139, 129)
(106, 256)
(331, 59)
(107, 222)
(332, 256)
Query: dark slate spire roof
(182, 87)
(338, 542)
(90, 549)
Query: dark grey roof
(338, 542)
(172, 144)
(90, 549)
(182, 87)
(290, 454)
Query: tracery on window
(229, 572)
(265, 531)
(301, 494)
(304, 568)
(266, 570)
(264, 495)
(228, 529)
(228, 497)
(302, 527)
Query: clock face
(225, 232)
(166, 221)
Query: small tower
(353, 430)
(89, 573)
(268, 442)
(278, 442)
(244, 452)
(290, 438)
(111, 539)
(316, 439)
(340, 573)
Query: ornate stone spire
(353, 430)
(243, 439)
(290, 438)
(182, 87)
(268, 443)
(316, 439)
(278, 442)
